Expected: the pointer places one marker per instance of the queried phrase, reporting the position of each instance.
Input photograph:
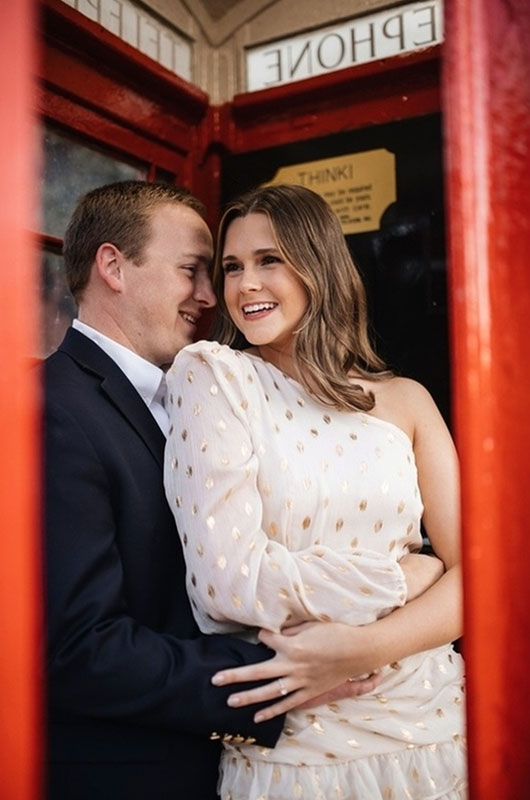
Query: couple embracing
(232, 534)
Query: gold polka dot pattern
(302, 512)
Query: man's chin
(170, 356)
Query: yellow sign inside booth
(359, 187)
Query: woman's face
(263, 295)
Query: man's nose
(204, 293)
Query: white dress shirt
(148, 379)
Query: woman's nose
(250, 281)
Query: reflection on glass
(70, 170)
(58, 307)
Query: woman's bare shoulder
(404, 390)
(402, 401)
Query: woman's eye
(229, 266)
(191, 268)
(270, 260)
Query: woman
(299, 471)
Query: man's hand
(312, 665)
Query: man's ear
(109, 263)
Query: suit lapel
(118, 389)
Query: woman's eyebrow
(257, 252)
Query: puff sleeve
(236, 574)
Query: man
(132, 710)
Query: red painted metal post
(486, 91)
(20, 670)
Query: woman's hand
(316, 658)
(421, 572)
(353, 687)
(313, 665)
(315, 661)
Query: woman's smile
(253, 311)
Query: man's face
(165, 293)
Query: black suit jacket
(129, 673)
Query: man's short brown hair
(117, 213)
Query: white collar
(144, 376)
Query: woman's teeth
(255, 307)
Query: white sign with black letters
(393, 32)
(141, 30)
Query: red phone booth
(107, 108)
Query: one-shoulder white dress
(291, 511)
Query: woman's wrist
(365, 649)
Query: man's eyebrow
(198, 257)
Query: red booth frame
(140, 111)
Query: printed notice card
(359, 187)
